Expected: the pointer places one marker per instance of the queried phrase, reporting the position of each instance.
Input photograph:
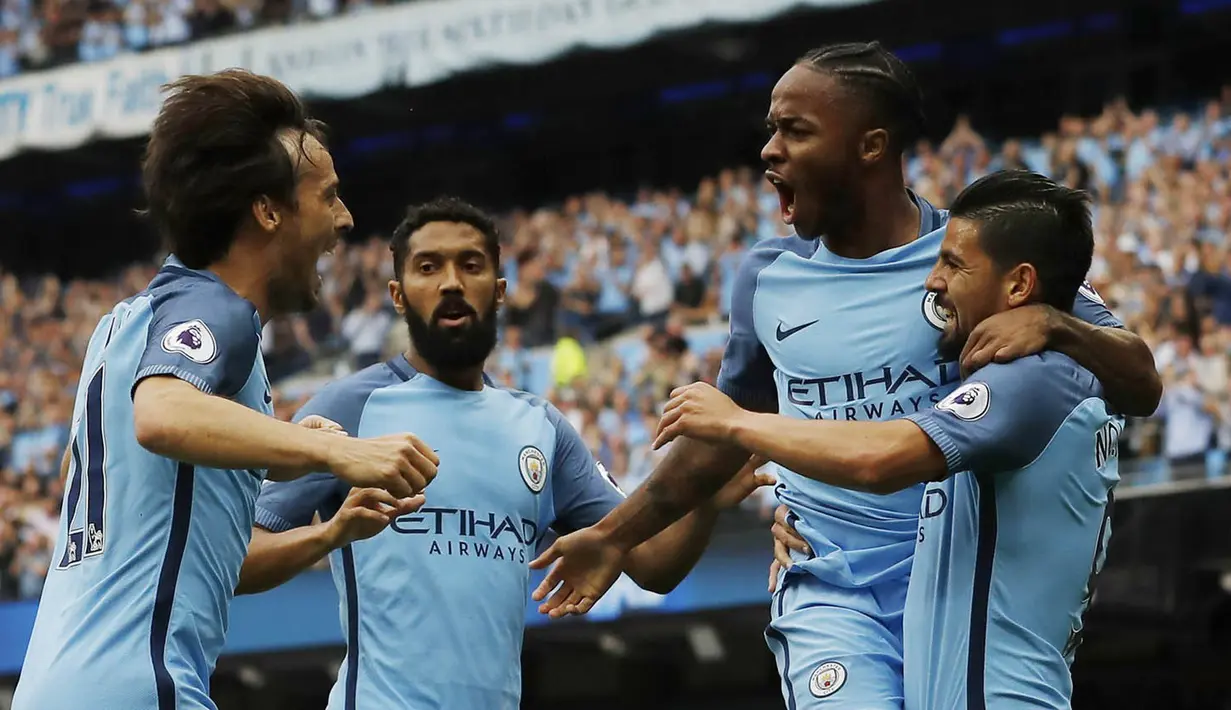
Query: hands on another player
(317, 422)
(698, 411)
(399, 463)
(365, 512)
(587, 564)
(1009, 335)
(785, 540)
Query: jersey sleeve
(284, 505)
(1001, 418)
(747, 373)
(204, 336)
(581, 487)
(1089, 306)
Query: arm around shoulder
(1119, 358)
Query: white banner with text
(346, 57)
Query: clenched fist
(399, 463)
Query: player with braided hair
(836, 323)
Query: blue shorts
(837, 648)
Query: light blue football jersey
(1011, 544)
(134, 611)
(815, 335)
(434, 606)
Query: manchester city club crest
(827, 679)
(935, 314)
(533, 467)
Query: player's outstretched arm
(175, 419)
(880, 457)
(276, 557)
(585, 564)
(662, 562)
(691, 473)
(586, 495)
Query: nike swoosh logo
(784, 334)
(269, 398)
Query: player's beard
(452, 349)
(952, 340)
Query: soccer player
(835, 323)
(1020, 463)
(172, 430)
(434, 603)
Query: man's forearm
(879, 457)
(1120, 360)
(662, 562)
(689, 475)
(274, 558)
(178, 421)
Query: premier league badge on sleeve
(968, 402)
(1088, 291)
(533, 466)
(193, 340)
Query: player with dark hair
(172, 432)
(434, 601)
(836, 323)
(1020, 464)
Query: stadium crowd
(39, 34)
(612, 302)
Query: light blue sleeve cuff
(953, 455)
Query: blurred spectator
(101, 37)
(365, 329)
(210, 18)
(532, 304)
(651, 286)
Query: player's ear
(1021, 285)
(874, 146)
(395, 293)
(502, 286)
(266, 213)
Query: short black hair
(443, 209)
(883, 81)
(214, 149)
(1024, 217)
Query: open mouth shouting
(786, 195)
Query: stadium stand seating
(614, 301)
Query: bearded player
(434, 600)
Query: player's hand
(785, 540)
(586, 565)
(698, 411)
(1010, 335)
(399, 463)
(743, 485)
(315, 421)
(367, 511)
